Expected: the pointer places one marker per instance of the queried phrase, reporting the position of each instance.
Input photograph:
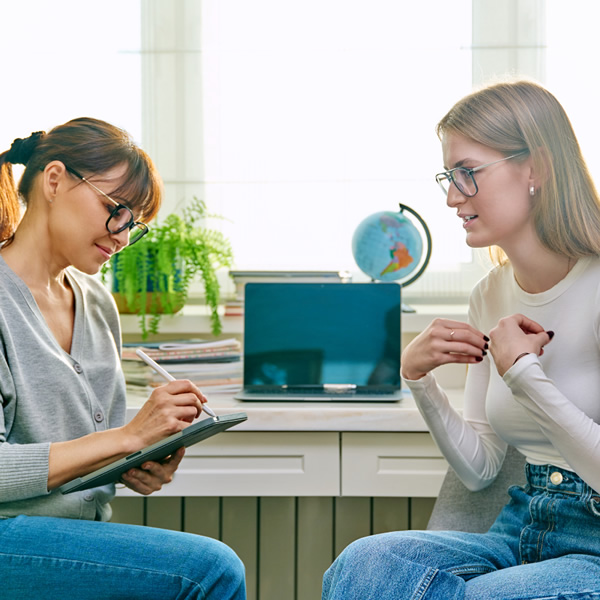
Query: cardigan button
(556, 478)
(78, 368)
(98, 416)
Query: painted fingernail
(550, 334)
(479, 358)
(483, 353)
(486, 338)
(486, 347)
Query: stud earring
(532, 190)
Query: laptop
(322, 342)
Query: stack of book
(235, 306)
(215, 367)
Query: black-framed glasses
(120, 218)
(464, 179)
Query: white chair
(458, 509)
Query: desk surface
(400, 416)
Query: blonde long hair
(524, 116)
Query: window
(317, 114)
(295, 120)
(69, 59)
(571, 65)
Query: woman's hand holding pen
(169, 409)
(514, 337)
(444, 341)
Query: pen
(166, 375)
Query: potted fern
(153, 276)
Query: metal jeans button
(556, 478)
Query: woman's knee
(233, 567)
(364, 550)
(374, 564)
(226, 572)
(374, 546)
(397, 549)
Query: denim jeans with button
(58, 559)
(545, 544)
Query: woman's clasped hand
(514, 337)
(443, 342)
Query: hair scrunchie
(22, 148)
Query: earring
(532, 190)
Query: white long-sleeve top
(548, 407)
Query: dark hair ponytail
(10, 208)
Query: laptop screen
(303, 334)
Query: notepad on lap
(193, 434)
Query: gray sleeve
(23, 467)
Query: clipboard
(193, 434)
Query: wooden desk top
(400, 416)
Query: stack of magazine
(214, 366)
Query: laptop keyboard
(316, 391)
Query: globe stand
(405, 307)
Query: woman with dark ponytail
(87, 192)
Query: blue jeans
(544, 544)
(51, 558)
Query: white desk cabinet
(259, 464)
(310, 463)
(391, 464)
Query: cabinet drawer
(258, 464)
(391, 464)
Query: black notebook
(198, 431)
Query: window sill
(194, 320)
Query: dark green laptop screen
(302, 334)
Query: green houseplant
(153, 276)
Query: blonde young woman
(89, 193)
(517, 181)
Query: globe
(387, 246)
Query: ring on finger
(451, 333)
